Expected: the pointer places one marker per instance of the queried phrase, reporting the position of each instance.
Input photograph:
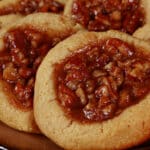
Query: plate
(13, 139)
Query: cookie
(23, 45)
(8, 19)
(143, 33)
(126, 16)
(96, 92)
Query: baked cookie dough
(9, 19)
(101, 15)
(118, 115)
(143, 33)
(26, 7)
(23, 45)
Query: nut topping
(19, 62)
(10, 73)
(116, 15)
(80, 93)
(102, 15)
(90, 86)
(98, 73)
(26, 7)
(100, 81)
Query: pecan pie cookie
(26, 7)
(143, 33)
(102, 15)
(23, 45)
(96, 92)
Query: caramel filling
(23, 52)
(99, 81)
(102, 15)
(26, 7)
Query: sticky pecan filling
(26, 7)
(98, 82)
(102, 15)
(23, 52)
